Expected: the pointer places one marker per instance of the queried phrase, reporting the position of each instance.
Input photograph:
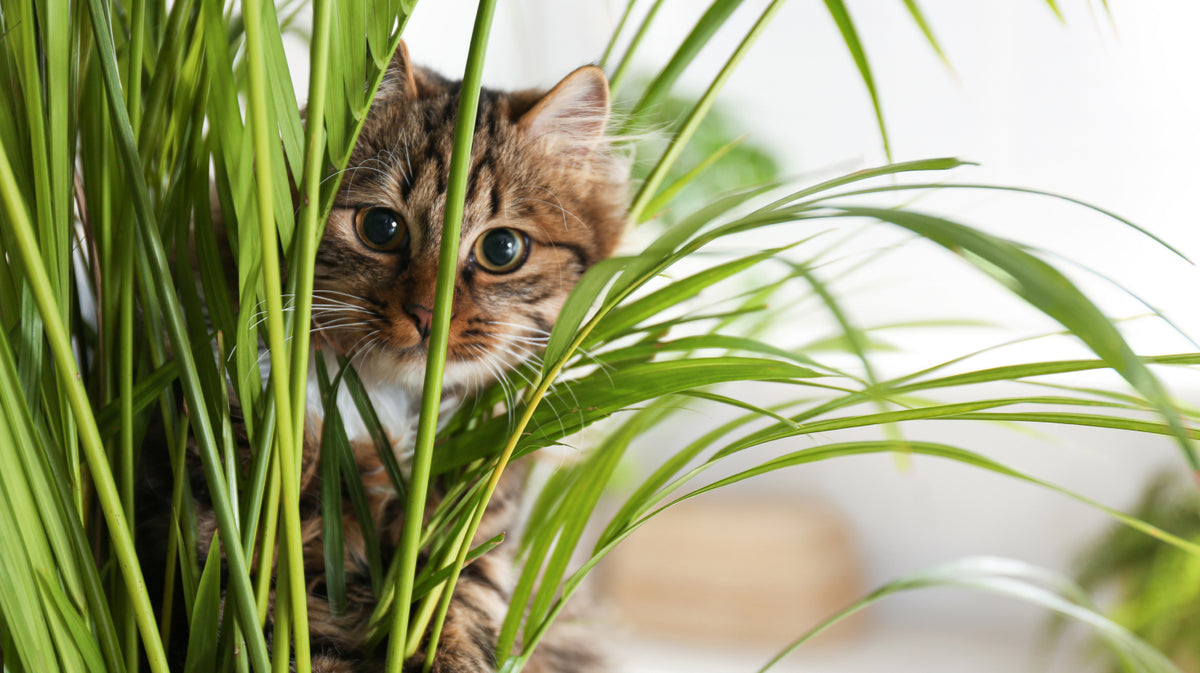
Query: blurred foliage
(1157, 586)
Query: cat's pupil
(500, 247)
(380, 227)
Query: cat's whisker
(403, 166)
(344, 325)
(330, 304)
(498, 375)
(324, 291)
(557, 204)
(354, 348)
(360, 353)
(499, 369)
(517, 370)
(326, 318)
(520, 326)
(552, 389)
(533, 341)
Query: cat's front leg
(468, 640)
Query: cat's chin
(406, 370)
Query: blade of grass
(612, 41)
(841, 16)
(1007, 578)
(431, 398)
(86, 652)
(648, 189)
(287, 443)
(622, 69)
(919, 17)
(80, 405)
(331, 498)
(712, 20)
(152, 247)
(1048, 290)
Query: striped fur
(540, 166)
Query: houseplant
(124, 115)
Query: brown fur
(535, 167)
(540, 166)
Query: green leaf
(81, 637)
(1049, 291)
(1015, 579)
(582, 402)
(715, 17)
(333, 441)
(841, 16)
(919, 17)
(624, 317)
(203, 625)
(577, 306)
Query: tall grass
(127, 127)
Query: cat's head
(546, 199)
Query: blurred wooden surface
(732, 571)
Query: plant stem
(627, 60)
(460, 162)
(286, 441)
(89, 435)
(151, 247)
(612, 41)
(308, 234)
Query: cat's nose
(421, 317)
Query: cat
(546, 199)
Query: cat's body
(545, 201)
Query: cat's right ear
(400, 79)
(572, 115)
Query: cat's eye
(501, 250)
(380, 229)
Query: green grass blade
(81, 407)
(577, 306)
(622, 318)
(438, 341)
(149, 234)
(203, 631)
(645, 194)
(919, 17)
(841, 449)
(601, 394)
(331, 496)
(87, 652)
(1053, 5)
(612, 41)
(841, 16)
(287, 443)
(1016, 190)
(662, 200)
(645, 351)
(1007, 578)
(708, 24)
(1049, 291)
(366, 411)
(622, 69)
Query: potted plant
(121, 124)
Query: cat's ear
(574, 113)
(400, 78)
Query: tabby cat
(546, 199)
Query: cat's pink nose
(421, 316)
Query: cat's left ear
(574, 113)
